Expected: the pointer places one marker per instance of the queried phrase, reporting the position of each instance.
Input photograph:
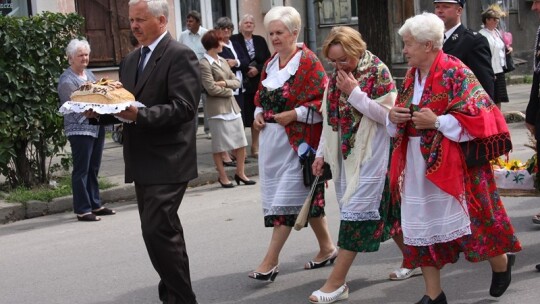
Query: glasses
(225, 28)
(338, 62)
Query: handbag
(247, 84)
(510, 66)
(307, 156)
(478, 152)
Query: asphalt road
(55, 259)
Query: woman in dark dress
(257, 49)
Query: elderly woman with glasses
(355, 143)
(291, 89)
(447, 207)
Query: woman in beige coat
(225, 121)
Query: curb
(11, 212)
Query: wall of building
(59, 6)
(253, 8)
(258, 9)
(522, 23)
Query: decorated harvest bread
(104, 91)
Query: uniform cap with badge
(460, 2)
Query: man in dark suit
(470, 47)
(159, 144)
(532, 115)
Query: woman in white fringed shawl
(356, 145)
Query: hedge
(32, 57)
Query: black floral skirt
(316, 210)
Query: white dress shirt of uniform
(193, 41)
(449, 33)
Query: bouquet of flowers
(515, 174)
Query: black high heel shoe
(441, 299)
(501, 280)
(229, 185)
(247, 182)
(265, 276)
(315, 265)
(231, 163)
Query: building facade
(107, 22)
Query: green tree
(32, 58)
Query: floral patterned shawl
(346, 128)
(451, 88)
(305, 88)
(374, 79)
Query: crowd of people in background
(396, 159)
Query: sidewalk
(112, 166)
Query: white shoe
(341, 293)
(404, 273)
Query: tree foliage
(32, 58)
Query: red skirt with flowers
(492, 234)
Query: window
(354, 10)
(335, 11)
(506, 5)
(107, 30)
(187, 6)
(15, 8)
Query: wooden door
(399, 11)
(107, 30)
(121, 20)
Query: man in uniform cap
(460, 2)
(465, 44)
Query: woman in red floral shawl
(446, 207)
(288, 103)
